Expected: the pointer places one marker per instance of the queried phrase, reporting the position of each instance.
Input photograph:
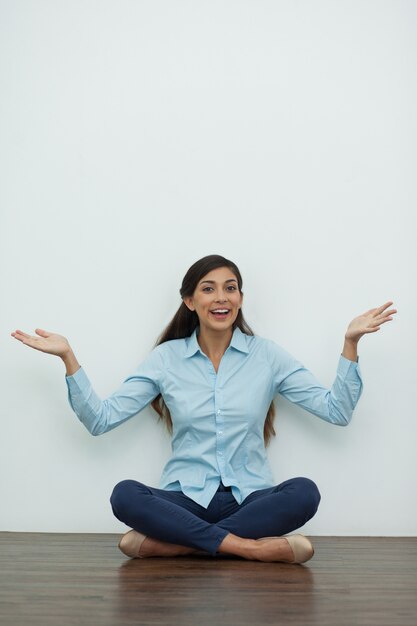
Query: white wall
(137, 137)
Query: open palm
(50, 343)
(369, 322)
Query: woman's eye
(228, 288)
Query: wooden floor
(84, 580)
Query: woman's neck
(214, 343)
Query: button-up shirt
(217, 418)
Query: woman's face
(216, 299)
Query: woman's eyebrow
(213, 282)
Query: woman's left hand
(369, 322)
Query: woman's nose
(221, 298)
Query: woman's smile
(220, 314)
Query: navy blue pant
(173, 517)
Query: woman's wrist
(70, 362)
(350, 349)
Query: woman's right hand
(51, 343)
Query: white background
(137, 137)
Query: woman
(213, 382)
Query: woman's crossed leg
(175, 525)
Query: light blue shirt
(218, 419)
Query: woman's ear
(188, 301)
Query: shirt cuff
(347, 367)
(78, 382)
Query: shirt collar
(238, 342)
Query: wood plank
(83, 579)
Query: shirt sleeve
(136, 392)
(298, 385)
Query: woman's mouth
(220, 314)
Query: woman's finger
(385, 319)
(19, 333)
(28, 340)
(23, 337)
(42, 333)
(387, 315)
(382, 308)
(375, 312)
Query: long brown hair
(185, 322)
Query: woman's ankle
(240, 546)
(154, 547)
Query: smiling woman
(213, 382)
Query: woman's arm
(334, 405)
(97, 415)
